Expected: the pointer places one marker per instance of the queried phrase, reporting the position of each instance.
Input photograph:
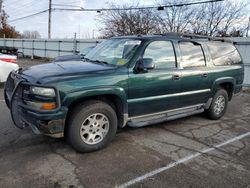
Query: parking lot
(189, 152)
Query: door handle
(176, 77)
(204, 75)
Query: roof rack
(193, 36)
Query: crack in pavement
(203, 143)
(70, 161)
(197, 151)
(180, 161)
(216, 123)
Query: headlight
(47, 92)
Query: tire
(219, 105)
(92, 126)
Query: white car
(8, 63)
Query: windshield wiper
(97, 61)
(104, 62)
(86, 59)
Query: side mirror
(145, 64)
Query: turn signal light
(48, 106)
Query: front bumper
(50, 123)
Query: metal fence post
(74, 44)
(45, 48)
(23, 46)
(32, 56)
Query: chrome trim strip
(168, 95)
(165, 112)
(166, 118)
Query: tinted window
(223, 53)
(162, 53)
(192, 55)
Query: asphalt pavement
(189, 152)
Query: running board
(141, 121)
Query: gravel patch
(246, 89)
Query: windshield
(86, 50)
(114, 51)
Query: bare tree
(175, 18)
(212, 19)
(215, 18)
(31, 34)
(128, 22)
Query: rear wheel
(219, 105)
(92, 126)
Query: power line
(24, 6)
(161, 7)
(28, 16)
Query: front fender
(93, 92)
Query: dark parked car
(130, 80)
(74, 57)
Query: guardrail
(48, 47)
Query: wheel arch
(227, 83)
(115, 97)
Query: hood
(43, 72)
(68, 58)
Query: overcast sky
(64, 24)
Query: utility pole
(49, 21)
(1, 5)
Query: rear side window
(191, 55)
(224, 53)
(162, 54)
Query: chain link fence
(47, 48)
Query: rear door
(156, 90)
(195, 80)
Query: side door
(155, 90)
(195, 80)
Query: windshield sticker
(121, 62)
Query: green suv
(129, 80)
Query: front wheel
(219, 105)
(92, 126)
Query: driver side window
(162, 54)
